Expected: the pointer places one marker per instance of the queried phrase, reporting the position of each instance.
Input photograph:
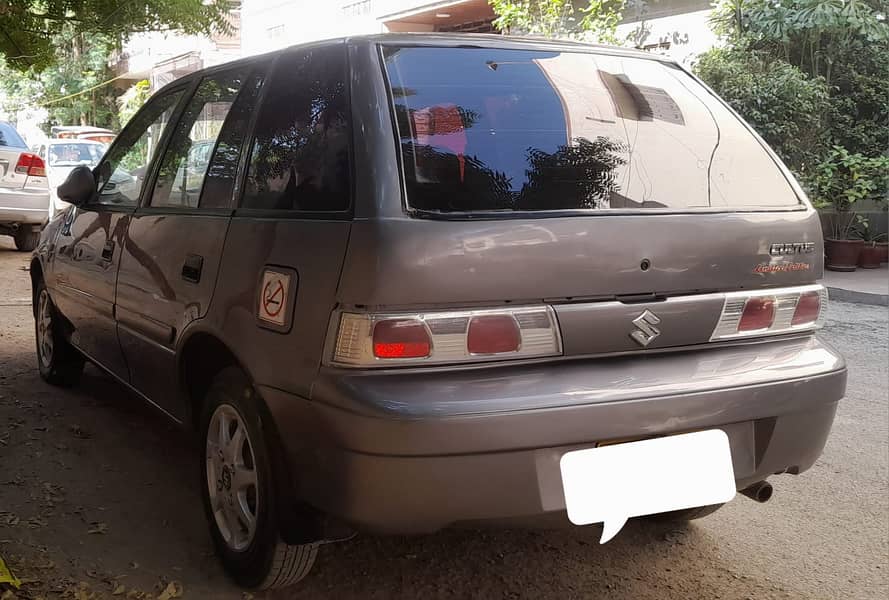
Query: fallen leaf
(119, 590)
(6, 576)
(173, 590)
(99, 528)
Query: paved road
(95, 459)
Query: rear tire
(58, 361)
(26, 239)
(239, 492)
(685, 515)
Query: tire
(26, 239)
(58, 361)
(234, 440)
(684, 515)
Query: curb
(854, 297)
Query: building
(160, 57)
(677, 28)
(271, 24)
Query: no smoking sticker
(273, 297)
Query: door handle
(191, 270)
(108, 250)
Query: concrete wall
(681, 37)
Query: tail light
(401, 338)
(746, 314)
(382, 340)
(493, 334)
(31, 165)
(808, 309)
(758, 314)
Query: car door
(90, 241)
(175, 239)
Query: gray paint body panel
(435, 395)
(597, 256)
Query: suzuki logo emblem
(645, 328)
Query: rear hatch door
(606, 185)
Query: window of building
(357, 9)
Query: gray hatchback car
(419, 281)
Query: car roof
(81, 129)
(72, 141)
(505, 42)
(447, 40)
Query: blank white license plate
(611, 484)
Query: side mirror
(78, 187)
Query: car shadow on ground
(125, 469)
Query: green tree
(28, 28)
(595, 20)
(787, 107)
(808, 49)
(132, 100)
(60, 87)
(811, 34)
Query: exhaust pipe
(760, 491)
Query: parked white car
(24, 192)
(60, 157)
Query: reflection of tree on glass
(581, 175)
(300, 159)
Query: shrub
(843, 180)
(783, 104)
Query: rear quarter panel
(314, 249)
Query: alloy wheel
(231, 478)
(44, 328)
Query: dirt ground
(99, 499)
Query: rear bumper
(27, 206)
(407, 453)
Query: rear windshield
(10, 138)
(73, 154)
(530, 130)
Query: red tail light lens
(808, 309)
(493, 334)
(31, 165)
(401, 338)
(367, 340)
(759, 313)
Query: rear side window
(10, 138)
(223, 168)
(183, 168)
(531, 130)
(300, 155)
